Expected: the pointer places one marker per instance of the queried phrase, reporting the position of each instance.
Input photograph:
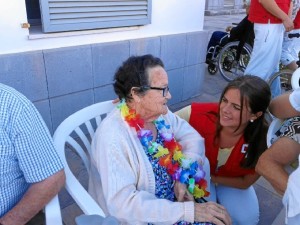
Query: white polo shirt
(295, 99)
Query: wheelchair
(229, 57)
(289, 79)
(284, 75)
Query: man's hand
(228, 29)
(288, 24)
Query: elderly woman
(147, 163)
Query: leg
(242, 204)
(294, 220)
(212, 197)
(276, 87)
(292, 66)
(267, 48)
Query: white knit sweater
(122, 180)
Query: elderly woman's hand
(212, 212)
(181, 192)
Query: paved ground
(271, 212)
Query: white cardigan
(122, 179)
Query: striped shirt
(27, 153)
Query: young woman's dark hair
(134, 73)
(257, 95)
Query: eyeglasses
(165, 90)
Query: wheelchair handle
(297, 35)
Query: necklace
(169, 154)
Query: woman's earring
(251, 121)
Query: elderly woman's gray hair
(134, 73)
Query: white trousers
(290, 48)
(266, 53)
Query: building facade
(64, 71)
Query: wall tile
(107, 58)
(63, 106)
(175, 85)
(26, 73)
(80, 76)
(145, 46)
(196, 47)
(173, 51)
(44, 108)
(193, 81)
(68, 70)
(104, 93)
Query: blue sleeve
(34, 146)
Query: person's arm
(272, 162)
(236, 182)
(282, 108)
(291, 9)
(273, 8)
(36, 197)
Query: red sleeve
(297, 21)
(203, 117)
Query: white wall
(168, 17)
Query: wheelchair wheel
(212, 69)
(227, 64)
(285, 80)
(285, 85)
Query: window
(67, 15)
(33, 12)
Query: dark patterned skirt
(290, 128)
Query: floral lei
(170, 154)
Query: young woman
(235, 136)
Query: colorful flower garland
(170, 155)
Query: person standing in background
(270, 18)
(291, 46)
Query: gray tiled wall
(62, 81)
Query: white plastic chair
(53, 213)
(295, 79)
(77, 131)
